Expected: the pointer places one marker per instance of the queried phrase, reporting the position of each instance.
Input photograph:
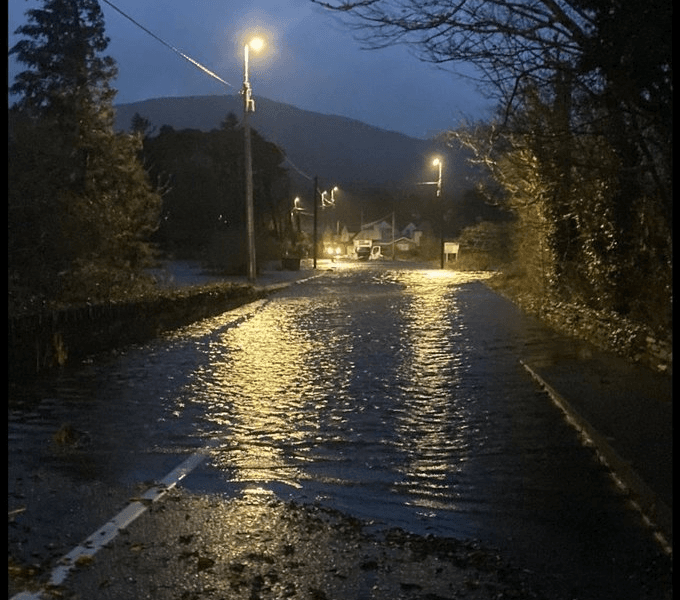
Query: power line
(177, 51)
(196, 64)
(290, 162)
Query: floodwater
(395, 396)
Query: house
(405, 245)
(412, 232)
(338, 242)
(381, 233)
(375, 231)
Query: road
(370, 433)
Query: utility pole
(248, 107)
(316, 214)
(438, 163)
(250, 217)
(392, 235)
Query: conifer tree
(91, 205)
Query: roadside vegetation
(90, 210)
(580, 150)
(80, 204)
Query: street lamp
(249, 107)
(335, 189)
(295, 214)
(437, 162)
(325, 201)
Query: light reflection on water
(394, 396)
(431, 415)
(350, 392)
(253, 389)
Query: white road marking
(110, 530)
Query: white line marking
(110, 530)
(651, 508)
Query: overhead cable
(176, 50)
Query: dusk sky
(311, 61)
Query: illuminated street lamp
(335, 189)
(324, 197)
(324, 203)
(437, 162)
(295, 214)
(249, 107)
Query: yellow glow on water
(453, 277)
(279, 383)
(427, 420)
(269, 369)
(259, 388)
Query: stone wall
(40, 342)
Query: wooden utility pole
(392, 235)
(316, 214)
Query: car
(363, 248)
(363, 252)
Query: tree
(67, 78)
(615, 53)
(585, 96)
(141, 125)
(89, 197)
(206, 203)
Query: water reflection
(253, 391)
(431, 414)
(322, 391)
(394, 396)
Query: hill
(339, 150)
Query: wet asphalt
(235, 539)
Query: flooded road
(393, 396)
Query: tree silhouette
(82, 185)
(206, 201)
(583, 134)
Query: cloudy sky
(311, 61)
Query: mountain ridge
(335, 148)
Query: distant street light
(325, 201)
(295, 214)
(249, 107)
(437, 162)
(335, 189)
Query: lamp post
(337, 224)
(249, 107)
(326, 202)
(315, 195)
(295, 214)
(437, 162)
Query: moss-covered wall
(44, 341)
